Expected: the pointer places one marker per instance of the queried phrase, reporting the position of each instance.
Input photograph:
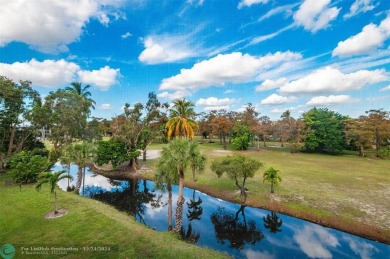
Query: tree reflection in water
(228, 227)
(195, 212)
(130, 200)
(273, 223)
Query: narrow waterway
(240, 231)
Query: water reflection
(242, 232)
(228, 227)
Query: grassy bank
(88, 224)
(346, 192)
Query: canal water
(240, 231)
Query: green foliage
(384, 152)
(237, 167)
(325, 131)
(26, 167)
(241, 136)
(52, 179)
(112, 151)
(272, 176)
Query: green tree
(197, 160)
(112, 151)
(237, 167)
(272, 176)
(325, 131)
(182, 121)
(25, 167)
(77, 88)
(52, 179)
(173, 163)
(79, 154)
(241, 136)
(16, 106)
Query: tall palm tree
(175, 159)
(52, 179)
(182, 122)
(77, 88)
(273, 177)
(197, 160)
(79, 154)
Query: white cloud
(271, 84)
(103, 78)
(213, 103)
(173, 96)
(330, 100)
(328, 80)
(48, 26)
(197, 3)
(55, 73)
(48, 73)
(281, 110)
(280, 9)
(126, 35)
(262, 38)
(315, 241)
(230, 68)
(274, 99)
(250, 3)
(359, 6)
(105, 106)
(165, 49)
(366, 41)
(314, 15)
(229, 91)
(360, 248)
(387, 88)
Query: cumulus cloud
(387, 88)
(126, 35)
(275, 99)
(330, 100)
(48, 26)
(103, 78)
(166, 49)
(175, 95)
(315, 15)
(315, 241)
(249, 3)
(55, 73)
(271, 84)
(366, 41)
(213, 103)
(328, 80)
(230, 68)
(48, 73)
(359, 6)
(105, 106)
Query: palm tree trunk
(144, 155)
(272, 187)
(224, 142)
(55, 202)
(169, 188)
(79, 179)
(180, 202)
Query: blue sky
(275, 54)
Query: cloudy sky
(275, 54)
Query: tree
(26, 167)
(16, 106)
(325, 131)
(249, 118)
(273, 177)
(79, 154)
(237, 167)
(52, 179)
(262, 128)
(197, 160)
(297, 133)
(272, 222)
(379, 123)
(174, 161)
(222, 126)
(77, 88)
(284, 127)
(130, 127)
(66, 116)
(241, 136)
(359, 134)
(182, 121)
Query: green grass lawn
(88, 224)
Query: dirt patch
(53, 214)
